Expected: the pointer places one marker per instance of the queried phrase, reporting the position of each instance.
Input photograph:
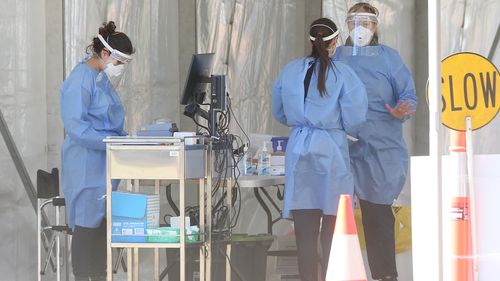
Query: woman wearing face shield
(379, 159)
(320, 100)
(91, 111)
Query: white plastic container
(264, 161)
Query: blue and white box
(132, 215)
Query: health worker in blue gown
(320, 100)
(91, 111)
(379, 160)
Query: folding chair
(48, 195)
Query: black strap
(307, 79)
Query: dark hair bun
(107, 29)
(117, 40)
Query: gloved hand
(403, 108)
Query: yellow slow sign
(469, 88)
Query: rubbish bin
(248, 259)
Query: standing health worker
(379, 159)
(320, 100)
(91, 111)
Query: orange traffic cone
(461, 264)
(346, 262)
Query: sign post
(470, 100)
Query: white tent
(252, 40)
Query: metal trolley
(154, 162)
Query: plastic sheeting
(23, 103)
(150, 86)
(470, 26)
(252, 41)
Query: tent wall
(150, 86)
(24, 105)
(44, 40)
(252, 41)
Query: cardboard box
(132, 215)
(277, 170)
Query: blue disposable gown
(379, 159)
(91, 110)
(317, 159)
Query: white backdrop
(150, 86)
(23, 103)
(252, 39)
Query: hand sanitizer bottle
(264, 161)
(247, 162)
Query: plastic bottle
(264, 161)
(279, 149)
(247, 162)
(278, 161)
(255, 164)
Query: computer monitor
(198, 78)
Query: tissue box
(132, 215)
(277, 170)
(277, 164)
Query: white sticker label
(138, 231)
(174, 153)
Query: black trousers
(88, 252)
(307, 229)
(378, 225)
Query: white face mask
(332, 49)
(114, 70)
(361, 36)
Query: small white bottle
(247, 162)
(264, 161)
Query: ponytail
(320, 29)
(321, 53)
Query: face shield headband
(362, 17)
(124, 58)
(327, 38)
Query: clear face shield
(115, 65)
(362, 27)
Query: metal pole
(25, 178)
(435, 139)
(109, 188)
(494, 46)
(58, 246)
(208, 244)
(18, 162)
(39, 243)
(472, 194)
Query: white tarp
(150, 86)
(23, 103)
